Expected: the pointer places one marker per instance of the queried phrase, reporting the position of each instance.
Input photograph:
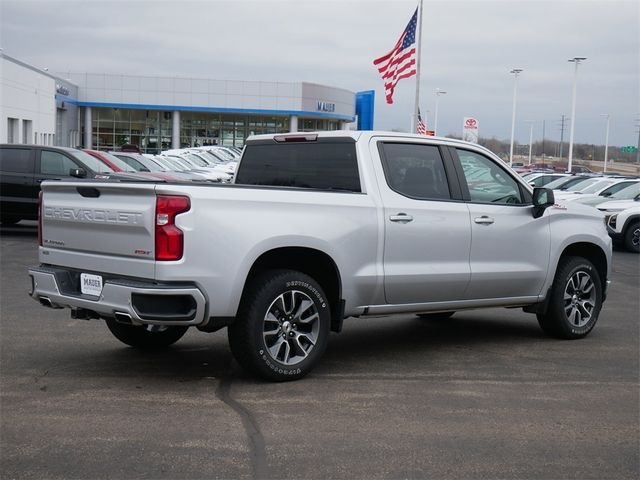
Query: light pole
(435, 120)
(530, 122)
(515, 72)
(606, 140)
(576, 61)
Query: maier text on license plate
(90, 284)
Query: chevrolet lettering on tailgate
(92, 215)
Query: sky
(468, 50)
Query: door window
(16, 160)
(487, 182)
(415, 171)
(54, 163)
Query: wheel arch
(310, 261)
(629, 221)
(591, 252)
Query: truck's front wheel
(146, 336)
(575, 302)
(282, 326)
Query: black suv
(24, 167)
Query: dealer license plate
(90, 284)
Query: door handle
(484, 220)
(401, 218)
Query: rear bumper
(130, 301)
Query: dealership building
(104, 111)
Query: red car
(120, 166)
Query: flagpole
(418, 52)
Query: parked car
(197, 162)
(541, 180)
(316, 228)
(24, 167)
(605, 187)
(623, 222)
(147, 163)
(580, 169)
(630, 192)
(564, 183)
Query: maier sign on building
(470, 130)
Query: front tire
(282, 326)
(632, 237)
(575, 300)
(146, 337)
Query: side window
(16, 160)
(487, 182)
(54, 163)
(415, 171)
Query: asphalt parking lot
(483, 395)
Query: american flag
(400, 62)
(421, 129)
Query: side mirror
(543, 198)
(78, 172)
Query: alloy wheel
(290, 328)
(579, 298)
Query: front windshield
(121, 164)
(580, 186)
(154, 166)
(224, 154)
(209, 156)
(167, 163)
(574, 182)
(178, 163)
(558, 182)
(195, 159)
(598, 186)
(92, 162)
(628, 193)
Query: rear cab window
(325, 164)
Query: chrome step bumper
(117, 299)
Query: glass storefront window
(151, 130)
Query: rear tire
(575, 300)
(282, 326)
(632, 237)
(147, 337)
(436, 316)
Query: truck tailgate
(105, 227)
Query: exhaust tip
(46, 301)
(123, 317)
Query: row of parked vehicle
(24, 167)
(210, 163)
(616, 196)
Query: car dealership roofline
(184, 108)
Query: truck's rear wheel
(575, 302)
(632, 237)
(146, 336)
(282, 326)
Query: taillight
(40, 218)
(169, 238)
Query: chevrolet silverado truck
(315, 228)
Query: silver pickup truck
(317, 228)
